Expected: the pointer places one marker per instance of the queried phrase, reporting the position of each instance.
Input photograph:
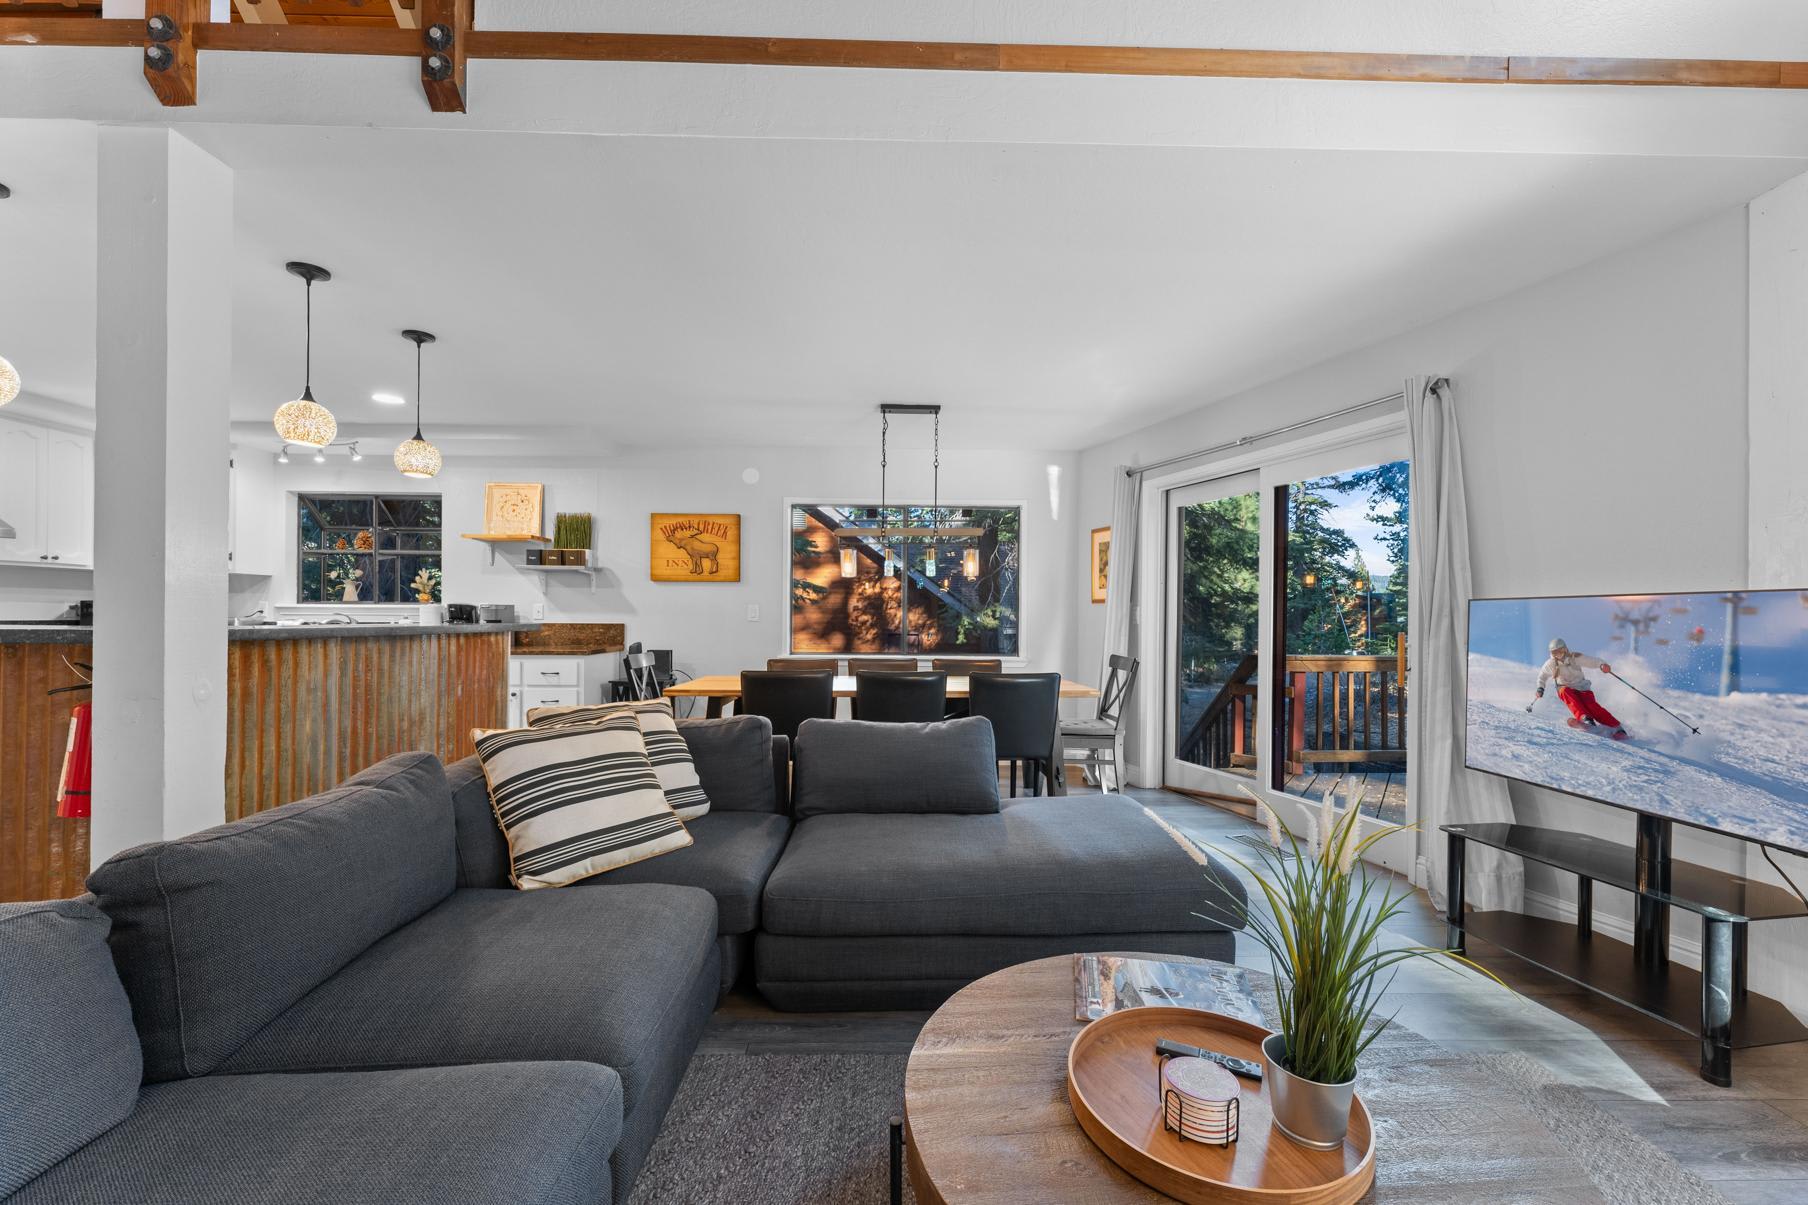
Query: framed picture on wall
(695, 548)
(1101, 561)
(513, 508)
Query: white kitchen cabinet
(69, 517)
(254, 514)
(47, 494)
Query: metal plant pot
(1312, 1114)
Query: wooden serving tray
(1111, 1083)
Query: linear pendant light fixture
(884, 533)
(304, 422)
(416, 457)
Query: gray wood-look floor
(1750, 1140)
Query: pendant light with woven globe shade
(9, 381)
(416, 457)
(304, 422)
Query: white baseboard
(1553, 907)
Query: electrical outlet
(753, 612)
(539, 610)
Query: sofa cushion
(624, 975)
(670, 756)
(502, 1133)
(733, 756)
(1073, 864)
(858, 766)
(216, 933)
(730, 857)
(70, 1055)
(575, 802)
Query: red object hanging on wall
(78, 765)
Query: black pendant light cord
(307, 346)
(884, 456)
(417, 390)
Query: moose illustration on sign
(696, 548)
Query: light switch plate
(753, 612)
(539, 610)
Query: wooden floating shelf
(495, 538)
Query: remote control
(1246, 1068)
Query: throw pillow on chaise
(666, 749)
(575, 802)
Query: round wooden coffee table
(985, 1099)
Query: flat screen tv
(1692, 707)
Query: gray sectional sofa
(341, 1000)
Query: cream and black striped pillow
(666, 749)
(574, 802)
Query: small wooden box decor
(695, 548)
(513, 508)
(552, 556)
(1101, 561)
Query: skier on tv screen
(1576, 691)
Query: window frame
(377, 554)
(1023, 512)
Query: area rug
(778, 1129)
(810, 1129)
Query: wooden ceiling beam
(445, 31)
(170, 27)
(83, 30)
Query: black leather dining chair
(877, 665)
(1024, 710)
(890, 697)
(965, 667)
(788, 697)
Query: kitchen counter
(70, 634)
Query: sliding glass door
(1214, 627)
(1286, 633)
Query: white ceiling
(596, 292)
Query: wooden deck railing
(1345, 708)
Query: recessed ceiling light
(389, 399)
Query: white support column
(162, 442)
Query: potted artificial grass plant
(1330, 968)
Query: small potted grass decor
(1323, 930)
(571, 537)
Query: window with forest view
(364, 548)
(1343, 712)
(949, 587)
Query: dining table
(720, 690)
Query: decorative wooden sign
(696, 548)
(1101, 561)
(513, 508)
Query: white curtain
(1120, 574)
(1439, 590)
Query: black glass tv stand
(1712, 1003)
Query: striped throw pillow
(666, 748)
(574, 802)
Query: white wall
(705, 624)
(1778, 488)
(1605, 446)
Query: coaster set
(1200, 1100)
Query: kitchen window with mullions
(368, 548)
